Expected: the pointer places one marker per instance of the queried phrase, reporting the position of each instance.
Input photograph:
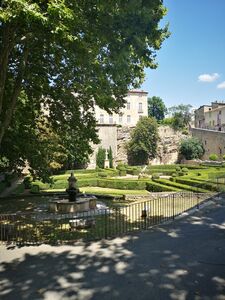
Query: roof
(137, 92)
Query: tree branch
(15, 94)
(7, 41)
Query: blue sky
(192, 60)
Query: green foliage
(181, 186)
(178, 168)
(185, 170)
(102, 174)
(213, 157)
(156, 108)
(27, 182)
(181, 116)
(49, 49)
(223, 157)
(155, 176)
(191, 148)
(100, 158)
(199, 184)
(35, 189)
(143, 144)
(157, 187)
(122, 184)
(110, 157)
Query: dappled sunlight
(181, 260)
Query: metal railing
(37, 228)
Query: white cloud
(208, 77)
(221, 85)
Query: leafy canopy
(181, 116)
(144, 139)
(65, 56)
(156, 108)
(191, 148)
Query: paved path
(181, 260)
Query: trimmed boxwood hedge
(181, 186)
(204, 185)
(122, 184)
(152, 186)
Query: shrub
(102, 174)
(110, 157)
(157, 187)
(178, 168)
(202, 185)
(185, 170)
(121, 167)
(155, 176)
(27, 182)
(35, 189)
(213, 157)
(173, 179)
(122, 172)
(191, 148)
(174, 175)
(181, 186)
(223, 157)
(181, 173)
(143, 143)
(100, 158)
(122, 184)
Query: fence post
(173, 208)
(106, 233)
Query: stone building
(135, 108)
(110, 125)
(211, 116)
(210, 128)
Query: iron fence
(37, 228)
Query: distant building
(211, 117)
(135, 108)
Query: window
(128, 119)
(120, 118)
(140, 109)
(110, 119)
(101, 119)
(128, 105)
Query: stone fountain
(76, 202)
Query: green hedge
(157, 187)
(35, 189)
(160, 171)
(203, 185)
(181, 186)
(122, 184)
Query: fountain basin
(81, 204)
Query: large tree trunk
(6, 118)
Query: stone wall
(213, 141)
(168, 145)
(108, 138)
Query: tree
(181, 116)
(110, 157)
(65, 56)
(143, 144)
(156, 108)
(191, 148)
(100, 158)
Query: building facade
(211, 117)
(135, 108)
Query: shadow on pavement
(181, 260)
